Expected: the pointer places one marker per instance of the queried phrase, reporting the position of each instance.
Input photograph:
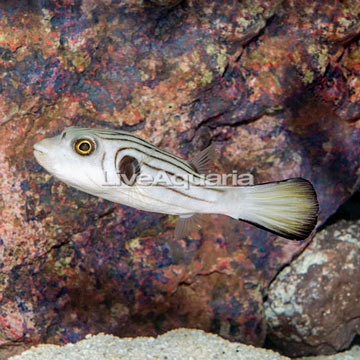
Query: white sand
(352, 354)
(180, 344)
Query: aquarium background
(275, 84)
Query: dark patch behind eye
(129, 170)
(63, 135)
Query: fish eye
(84, 147)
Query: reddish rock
(349, 108)
(180, 77)
(313, 305)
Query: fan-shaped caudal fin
(288, 208)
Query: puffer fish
(114, 165)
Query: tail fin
(288, 208)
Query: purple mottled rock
(263, 79)
(313, 305)
(168, 3)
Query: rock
(174, 345)
(349, 108)
(168, 3)
(241, 74)
(313, 304)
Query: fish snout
(42, 146)
(44, 151)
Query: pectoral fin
(187, 224)
(203, 159)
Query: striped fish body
(168, 198)
(179, 190)
(100, 173)
(123, 168)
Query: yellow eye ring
(84, 147)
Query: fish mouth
(38, 148)
(43, 154)
(39, 153)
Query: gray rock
(313, 305)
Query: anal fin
(187, 224)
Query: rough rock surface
(243, 74)
(168, 3)
(313, 305)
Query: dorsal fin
(187, 225)
(203, 159)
